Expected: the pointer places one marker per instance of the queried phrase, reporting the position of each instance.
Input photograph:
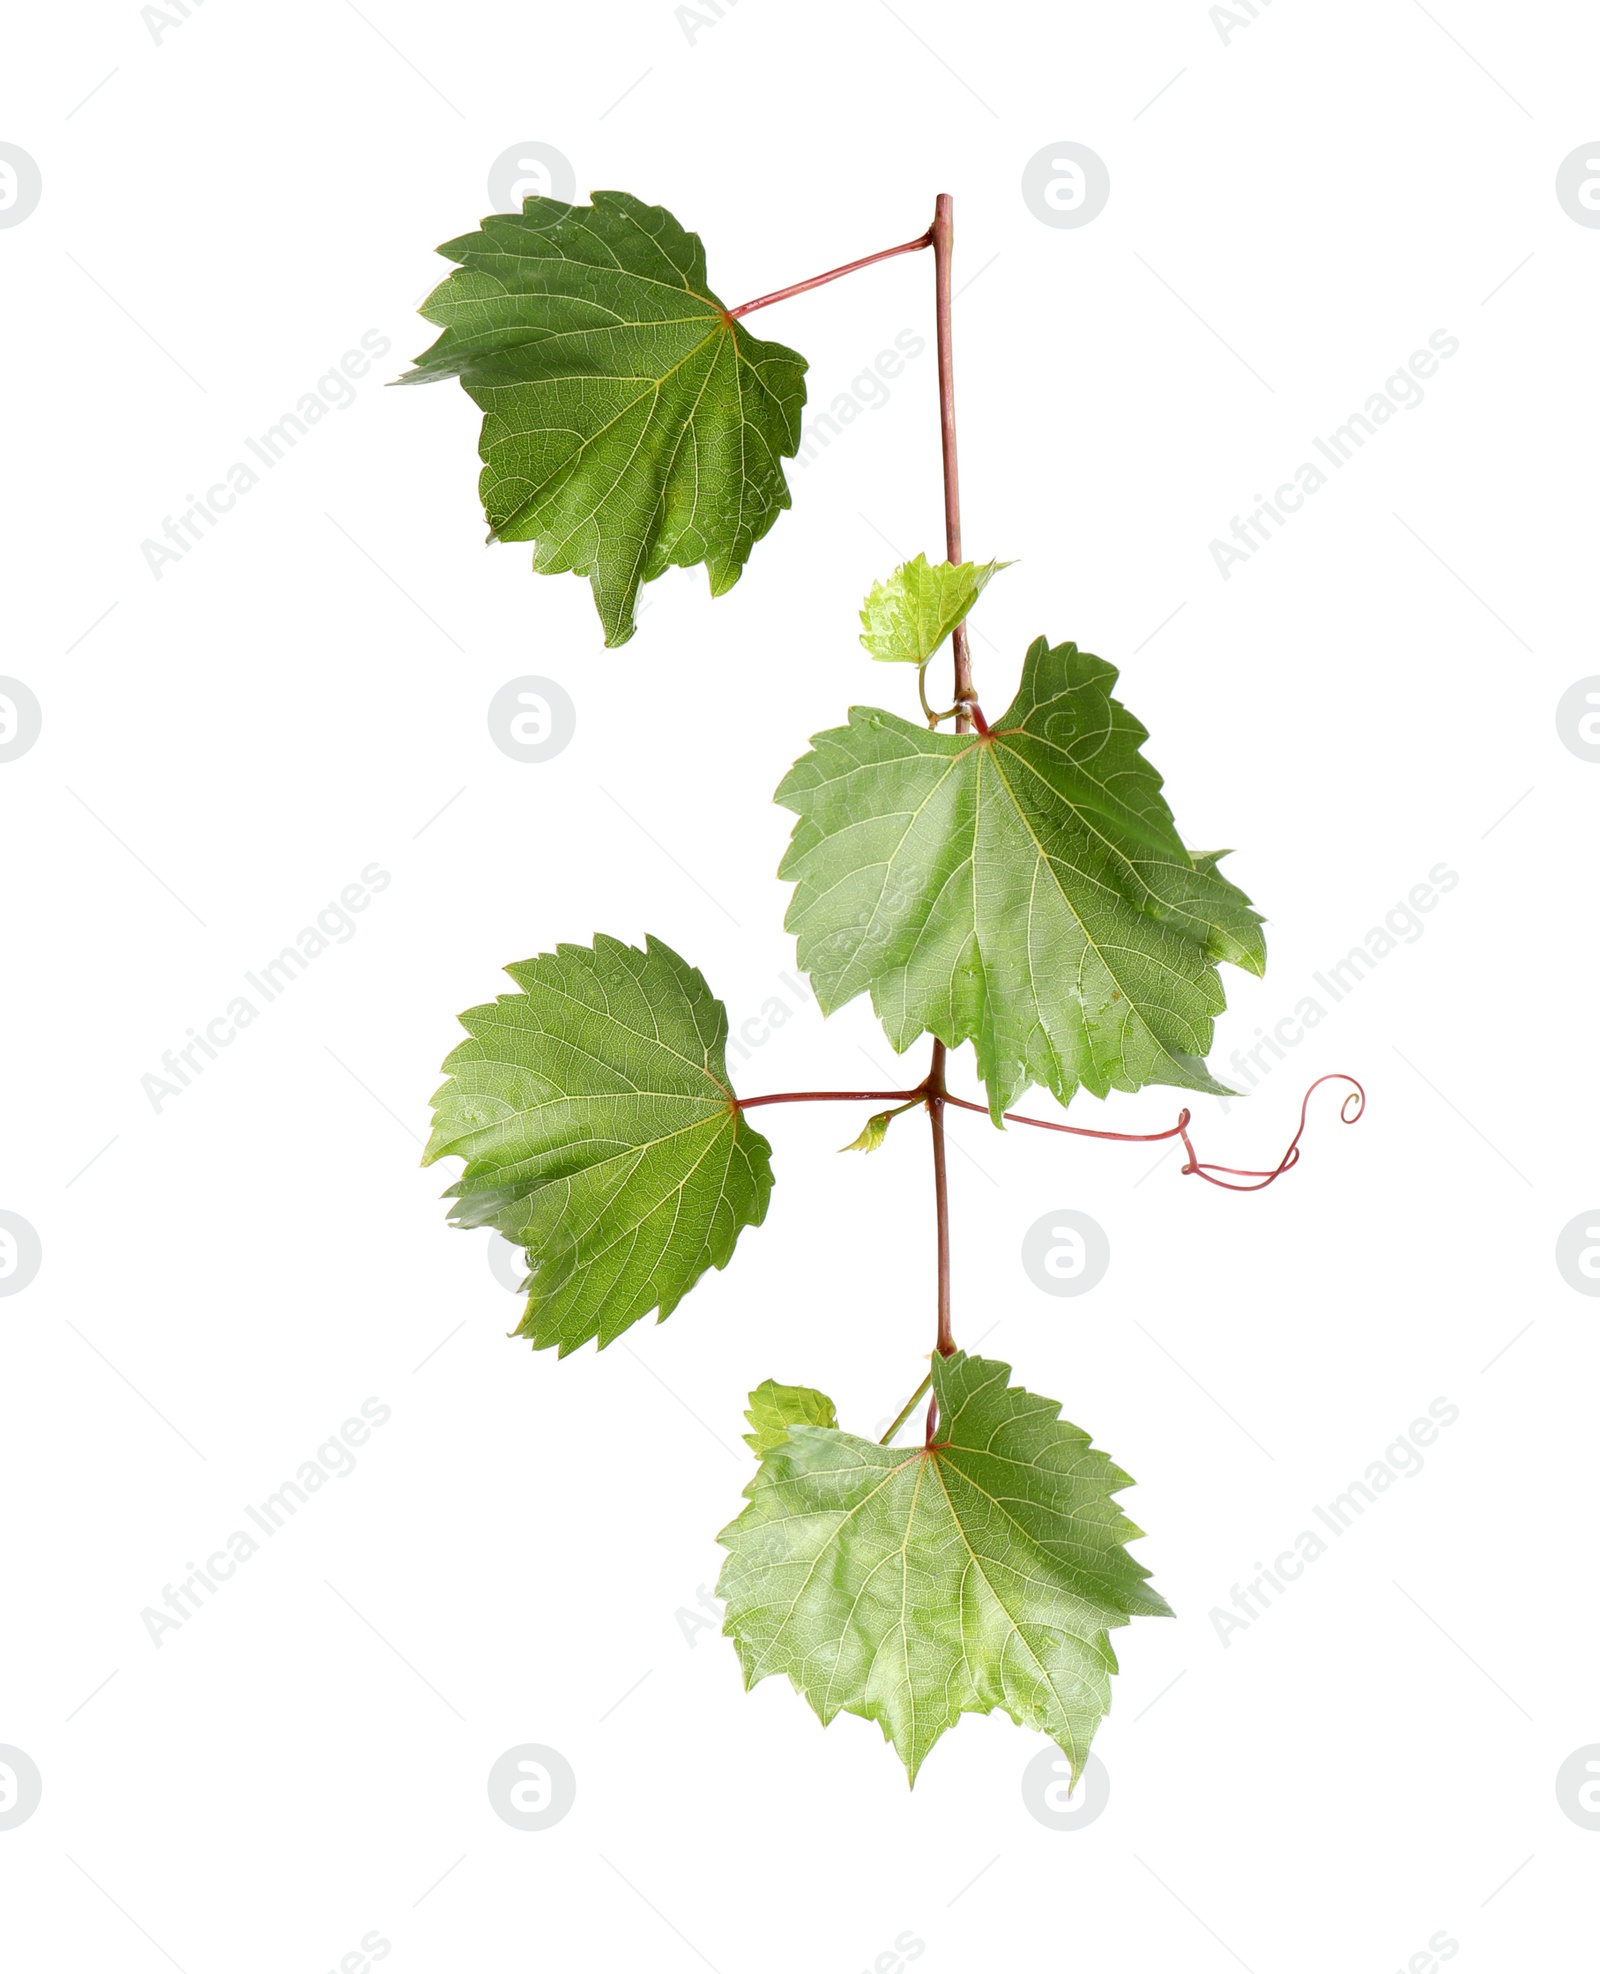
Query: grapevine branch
(666, 1032)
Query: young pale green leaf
(913, 1587)
(774, 1408)
(872, 1133)
(600, 1133)
(629, 422)
(907, 618)
(1025, 890)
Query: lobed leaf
(1025, 890)
(630, 423)
(983, 1573)
(600, 1133)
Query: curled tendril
(1354, 1104)
(1351, 1109)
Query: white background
(305, 693)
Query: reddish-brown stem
(936, 1097)
(833, 274)
(943, 235)
(839, 1097)
(943, 232)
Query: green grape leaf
(599, 1132)
(907, 618)
(774, 1408)
(629, 422)
(914, 1586)
(1025, 890)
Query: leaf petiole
(831, 1097)
(833, 274)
